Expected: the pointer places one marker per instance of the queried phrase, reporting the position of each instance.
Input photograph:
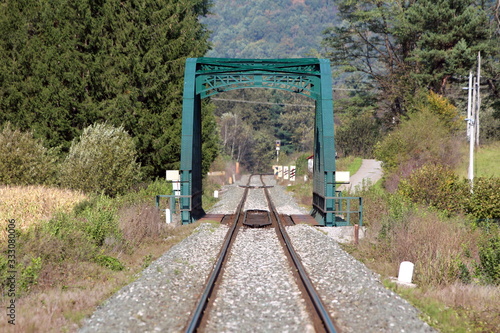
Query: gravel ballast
(162, 298)
(258, 292)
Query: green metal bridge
(310, 77)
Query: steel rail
(311, 291)
(195, 319)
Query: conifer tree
(404, 45)
(65, 65)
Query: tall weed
(489, 254)
(443, 250)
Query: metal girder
(307, 76)
(216, 83)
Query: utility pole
(471, 125)
(469, 106)
(478, 97)
(278, 144)
(473, 106)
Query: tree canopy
(66, 65)
(401, 46)
(268, 29)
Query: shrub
(446, 111)
(109, 262)
(489, 256)
(24, 160)
(422, 138)
(30, 273)
(484, 201)
(428, 135)
(437, 186)
(139, 222)
(443, 250)
(103, 160)
(98, 219)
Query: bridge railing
(174, 204)
(347, 210)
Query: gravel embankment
(163, 297)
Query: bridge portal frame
(311, 77)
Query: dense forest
(66, 65)
(385, 55)
(268, 29)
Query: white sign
(280, 171)
(342, 177)
(285, 172)
(173, 175)
(292, 173)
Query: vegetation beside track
(73, 251)
(457, 258)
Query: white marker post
(292, 173)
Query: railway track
(258, 218)
(258, 291)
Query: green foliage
(30, 274)
(400, 47)
(263, 154)
(65, 65)
(490, 124)
(489, 256)
(301, 165)
(210, 136)
(274, 114)
(422, 138)
(109, 262)
(103, 160)
(437, 186)
(24, 160)
(357, 136)
(484, 201)
(94, 221)
(159, 186)
(4, 269)
(99, 222)
(440, 43)
(447, 112)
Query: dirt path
(370, 172)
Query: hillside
(268, 29)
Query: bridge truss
(205, 77)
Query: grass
(66, 272)
(486, 161)
(437, 314)
(30, 205)
(452, 292)
(350, 163)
